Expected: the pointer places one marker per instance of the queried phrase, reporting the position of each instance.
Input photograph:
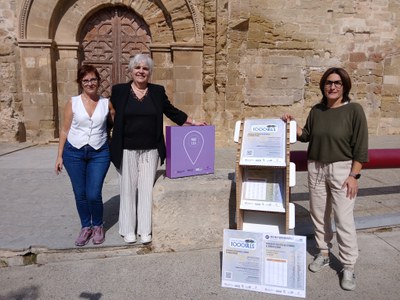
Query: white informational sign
(263, 143)
(263, 189)
(263, 262)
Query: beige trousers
(137, 175)
(326, 196)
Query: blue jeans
(87, 169)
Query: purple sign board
(190, 150)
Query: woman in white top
(83, 149)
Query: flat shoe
(84, 236)
(98, 235)
(145, 238)
(130, 238)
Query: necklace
(89, 104)
(137, 93)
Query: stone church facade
(220, 60)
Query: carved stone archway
(49, 52)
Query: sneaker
(320, 261)
(348, 282)
(98, 235)
(145, 238)
(84, 236)
(130, 238)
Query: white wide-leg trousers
(137, 175)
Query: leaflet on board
(263, 189)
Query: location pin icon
(193, 143)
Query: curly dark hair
(86, 69)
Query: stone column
(178, 67)
(162, 72)
(38, 84)
(188, 78)
(67, 66)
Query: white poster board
(263, 143)
(264, 262)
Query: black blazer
(119, 97)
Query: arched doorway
(109, 39)
(51, 46)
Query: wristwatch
(356, 176)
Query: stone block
(188, 58)
(187, 72)
(46, 124)
(46, 135)
(191, 86)
(286, 60)
(6, 49)
(184, 205)
(392, 80)
(358, 57)
(162, 73)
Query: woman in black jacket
(138, 144)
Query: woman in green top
(337, 132)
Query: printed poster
(263, 143)
(264, 262)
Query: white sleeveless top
(86, 130)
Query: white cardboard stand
(260, 255)
(263, 176)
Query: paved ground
(38, 223)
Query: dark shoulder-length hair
(84, 70)
(346, 81)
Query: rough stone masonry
(221, 60)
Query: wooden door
(109, 39)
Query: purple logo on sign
(193, 143)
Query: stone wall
(11, 109)
(278, 50)
(258, 59)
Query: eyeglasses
(337, 83)
(90, 81)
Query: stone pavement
(38, 224)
